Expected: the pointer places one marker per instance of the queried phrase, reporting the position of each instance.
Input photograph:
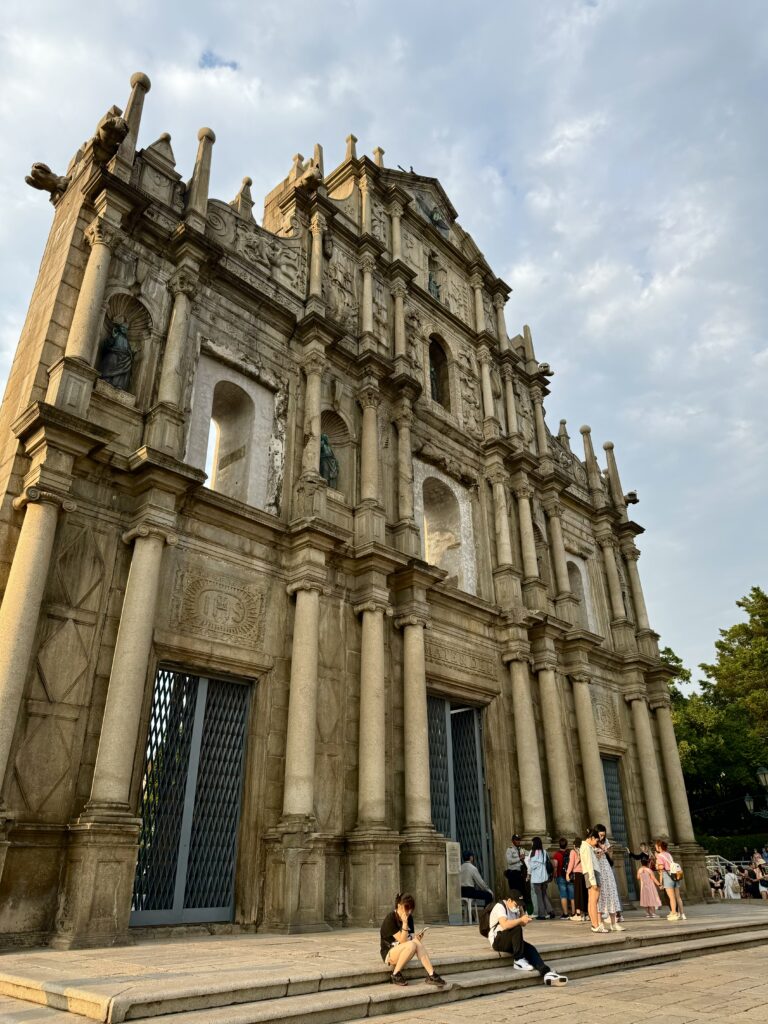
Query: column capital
(101, 232)
(367, 263)
(373, 605)
(38, 494)
(542, 662)
(369, 395)
(499, 302)
(553, 508)
(364, 182)
(403, 416)
(183, 282)
(399, 289)
(496, 475)
(523, 492)
(581, 678)
(659, 700)
(313, 362)
(308, 583)
(484, 354)
(630, 552)
(507, 372)
(150, 530)
(606, 541)
(412, 620)
(517, 652)
(537, 396)
(476, 281)
(318, 224)
(634, 695)
(395, 208)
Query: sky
(608, 156)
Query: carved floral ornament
(101, 232)
(318, 224)
(554, 509)
(368, 396)
(399, 290)
(314, 363)
(183, 282)
(632, 553)
(37, 494)
(367, 263)
(499, 302)
(523, 493)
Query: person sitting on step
(473, 886)
(505, 935)
(400, 942)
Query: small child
(649, 894)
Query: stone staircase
(349, 994)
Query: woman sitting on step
(400, 943)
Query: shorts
(668, 881)
(565, 888)
(385, 956)
(597, 880)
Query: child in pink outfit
(649, 888)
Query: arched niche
(576, 583)
(341, 441)
(127, 311)
(232, 421)
(442, 530)
(439, 376)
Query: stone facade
(451, 547)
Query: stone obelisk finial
(197, 196)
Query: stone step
(121, 998)
(359, 1004)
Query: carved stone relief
(458, 297)
(458, 658)
(340, 288)
(470, 393)
(606, 715)
(221, 608)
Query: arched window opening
(232, 416)
(439, 383)
(337, 455)
(577, 589)
(442, 530)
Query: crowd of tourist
(748, 882)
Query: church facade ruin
(298, 583)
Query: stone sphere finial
(206, 133)
(585, 430)
(139, 78)
(164, 137)
(608, 446)
(247, 181)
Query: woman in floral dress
(609, 905)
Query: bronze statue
(116, 360)
(329, 464)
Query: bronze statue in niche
(116, 358)
(329, 464)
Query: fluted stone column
(317, 228)
(367, 266)
(477, 287)
(608, 544)
(591, 762)
(313, 366)
(641, 613)
(20, 609)
(399, 292)
(489, 410)
(541, 431)
(528, 541)
(673, 771)
(371, 790)
(501, 325)
(649, 769)
(558, 762)
(369, 450)
(182, 286)
(83, 339)
(526, 742)
(299, 792)
(554, 512)
(501, 518)
(111, 787)
(418, 807)
(396, 213)
(196, 213)
(365, 205)
(404, 420)
(513, 427)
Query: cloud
(209, 59)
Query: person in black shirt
(399, 942)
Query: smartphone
(424, 929)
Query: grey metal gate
(457, 778)
(190, 800)
(616, 811)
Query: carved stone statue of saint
(329, 464)
(116, 360)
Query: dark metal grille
(439, 764)
(190, 801)
(616, 811)
(162, 796)
(468, 784)
(211, 868)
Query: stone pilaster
(631, 554)
(591, 763)
(530, 784)
(367, 267)
(673, 772)
(533, 588)
(490, 421)
(317, 228)
(399, 292)
(501, 327)
(649, 769)
(406, 531)
(313, 365)
(476, 283)
(542, 444)
(558, 761)
(513, 426)
(396, 214)
(621, 628)
(369, 399)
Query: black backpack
(484, 918)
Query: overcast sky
(608, 156)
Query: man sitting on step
(505, 935)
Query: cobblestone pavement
(729, 989)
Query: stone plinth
(422, 872)
(373, 872)
(295, 890)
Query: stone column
(489, 409)
(501, 518)
(530, 563)
(673, 771)
(418, 807)
(182, 285)
(396, 213)
(111, 787)
(477, 287)
(501, 326)
(558, 762)
(404, 420)
(641, 614)
(299, 792)
(608, 544)
(20, 609)
(591, 763)
(196, 213)
(365, 205)
(313, 366)
(371, 786)
(399, 292)
(541, 431)
(367, 265)
(83, 339)
(649, 769)
(526, 742)
(369, 398)
(317, 228)
(554, 512)
(513, 427)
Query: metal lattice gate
(616, 811)
(190, 801)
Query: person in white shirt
(537, 863)
(473, 886)
(592, 878)
(505, 935)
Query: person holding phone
(505, 935)
(400, 942)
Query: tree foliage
(722, 731)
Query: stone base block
(692, 859)
(165, 430)
(70, 383)
(422, 873)
(373, 872)
(648, 643)
(310, 498)
(534, 594)
(620, 873)
(370, 524)
(298, 898)
(406, 537)
(623, 633)
(507, 588)
(95, 901)
(567, 608)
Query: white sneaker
(523, 965)
(576, 917)
(553, 978)
(683, 917)
(673, 917)
(601, 928)
(618, 927)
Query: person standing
(537, 863)
(732, 889)
(609, 904)
(473, 886)
(575, 875)
(649, 888)
(671, 885)
(505, 935)
(516, 872)
(592, 878)
(560, 860)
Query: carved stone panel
(606, 715)
(441, 653)
(221, 608)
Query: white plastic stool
(471, 907)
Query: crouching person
(400, 943)
(505, 935)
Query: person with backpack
(515, 871)
(540, 871)
(502, 924)
(560, 859)
(670, 874)
(575, 876)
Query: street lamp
(749, 802)
(762, 777)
